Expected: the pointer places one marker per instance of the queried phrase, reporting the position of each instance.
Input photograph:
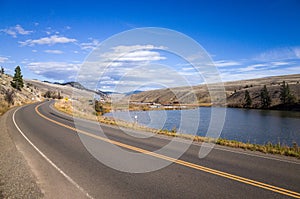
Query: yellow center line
(180, 162)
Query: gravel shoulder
(16, 178)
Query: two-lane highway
(224, 173)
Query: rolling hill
(235, 92)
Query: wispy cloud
(252, 74)
(136, 53)
(119, 62)
(54, 39)
(54, 51)
(279, 54)
(16, 30)
(3, 59)
(227, 63)
(89, 45)
(54, 70)
(280, 63)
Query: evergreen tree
(284, 93)
(2, 70)
(286, 97)
(17, 82)
(265, 97)
(248, 100)
(291, 99)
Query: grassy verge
(270, 148)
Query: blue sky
(246, 39)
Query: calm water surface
(254, 126)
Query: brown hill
(235, 92)
(33, 91)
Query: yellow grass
(3, 107)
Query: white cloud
(297, 52)
(135, 53)
(258, 70)
(259, 65)
(141, 55)
(54, 70)
(280, 63)
(16, 30)
(280, 54)
(54, 39)
(54, 51)
(246, 69)
(90, 45)
(226, 63)
(124, 49)
(3, 59)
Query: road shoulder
(16, 178)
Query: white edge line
(218, 147)
(259, 156)
(48, 160)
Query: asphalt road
(65, 168)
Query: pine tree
(265, 97)
(2, 70)
(248, 100)
(283, 93)
(17, 82)
(286, 97)
(290, 98)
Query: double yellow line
(180, 162)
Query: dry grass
(3, 107)
(293, 151)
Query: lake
(253, 126)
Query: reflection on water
(254, 126)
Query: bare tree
(9, 96)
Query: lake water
(254, 126)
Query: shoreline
(269, 148)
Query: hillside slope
(34, 90)
(235, 91)
(27, 94)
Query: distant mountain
(133, 92)
(73, 84)
(81, 87)
(126, 94)
(110, 92)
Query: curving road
(65, 169)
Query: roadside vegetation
(9, 94)
(14, 91)
(66, 107)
